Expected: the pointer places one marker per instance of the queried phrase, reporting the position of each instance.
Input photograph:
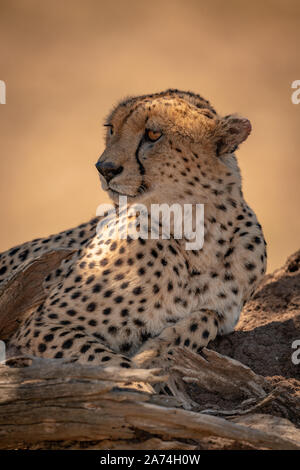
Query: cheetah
(128, 302)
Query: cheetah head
(165, 145)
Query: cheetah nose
(108, 169)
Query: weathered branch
(53, 400)
(217, 373)
(23, 291)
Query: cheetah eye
(110, 128)
(153, 136)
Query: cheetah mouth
(115, 194)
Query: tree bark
(55, 400)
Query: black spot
(113, 330)
(97, 288)
(108, 293)
(75, 295)
(221, 207)
(48, 338)
(172, 250)
(42, 347)
(252, 279)
(23, 255)
(193, 327)
(125, 365)
(221, 295)
(14, 251)
(67, 344)
(250, 266)
(125, 347)
(71, 312)
(105, 359)
(250, 247)
(156, 289)
(91, 307)
(68, 289)
(137, 290)
(85, 348)
(170, 286)
(229, 252)
(124, 312)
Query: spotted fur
(132, 301)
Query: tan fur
(117, 300)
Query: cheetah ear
(231, 132)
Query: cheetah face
(160, 145)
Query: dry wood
(50, 400)
(273, 424)
(23, 291)
(217, 373)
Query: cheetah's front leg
(193, 332)
(69, 342)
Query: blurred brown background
(66, 63)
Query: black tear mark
(141, 166)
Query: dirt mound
(269, 325)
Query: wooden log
(23, 291)
(50, 400)
(217, 373)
